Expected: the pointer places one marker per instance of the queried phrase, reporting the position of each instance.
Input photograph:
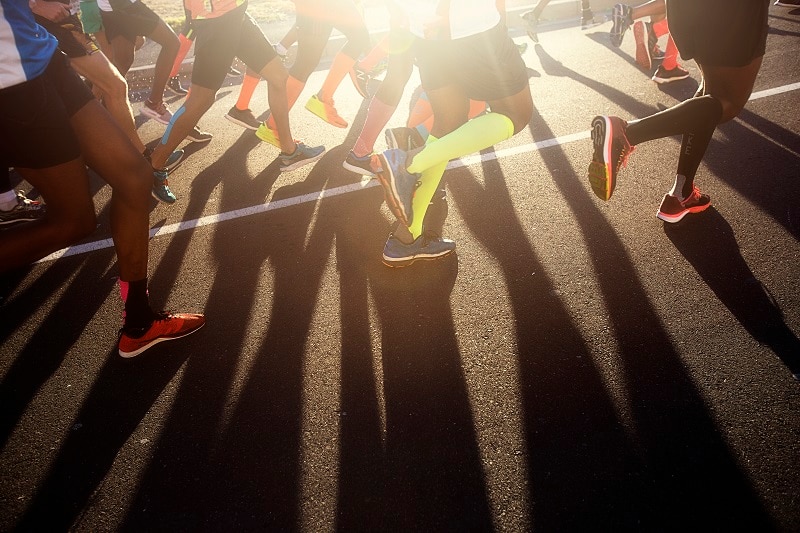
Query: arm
(54, 11)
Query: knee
(731, 109)
(116, 88)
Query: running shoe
(165, 327)
(673, 209)
(325, 111)
(157, 111)
(197, 136)
(621, 18)
(405, 139)
(399, 254)
(25, 211)
(787, 3)
(652, 41)
(173, 161)
(398, 184)
(360, 78)
(161, 190)
(588, 19)
(243, 118)
(663, 75)
(643, 57)
(522, 47)
(531, 25)
(302, 155)
(174, 85)
(233, 72)
(268, 135)
(359, 165)
(611, 151)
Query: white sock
(281, 49)
(8, 200)
(677, 189)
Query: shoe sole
(390, 193)
(274, 142)
(301, 163)
(662, 81)
(357, 170)
(600, 176)
(241, 123)
(198, 140)
(14, 221)
(154, 195)
(400, 263)
(151, 114)
(643, 58)
(128, 355)
(324, 118)
(673, 219)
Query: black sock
(137, 306)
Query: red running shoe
(165, 327)
(611, 151)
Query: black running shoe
(621, 17)
(663, 75)
(174, 85)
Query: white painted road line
(329, 193)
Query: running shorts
(486, 66)
(71, 37)
(34, 117)
(719, 33)
(130, 22)
(90, 17)
(220, 39)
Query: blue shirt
(25, 47)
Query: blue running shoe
(398, 184)
(399, 254)
(302, 155)
(161, 191)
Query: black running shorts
(220, 39)
(71, 38)
(130, 22)
(719, 33)
(486, 66)
(34, 117)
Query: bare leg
(197, 103)
(107, 150)
(113, 89)
(170, 44)
(276, 75)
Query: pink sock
(378, 116)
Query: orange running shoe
(165, 327)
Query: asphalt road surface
(577, 365)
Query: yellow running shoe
(268, 135)
(325, 111)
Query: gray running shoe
(25, 211)
(399, 254)
(302, 155)
(359, 165)
(531, 25)
(398, 184)
(621, 17)
(197, 136)
(161, 190)
(243, 118)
